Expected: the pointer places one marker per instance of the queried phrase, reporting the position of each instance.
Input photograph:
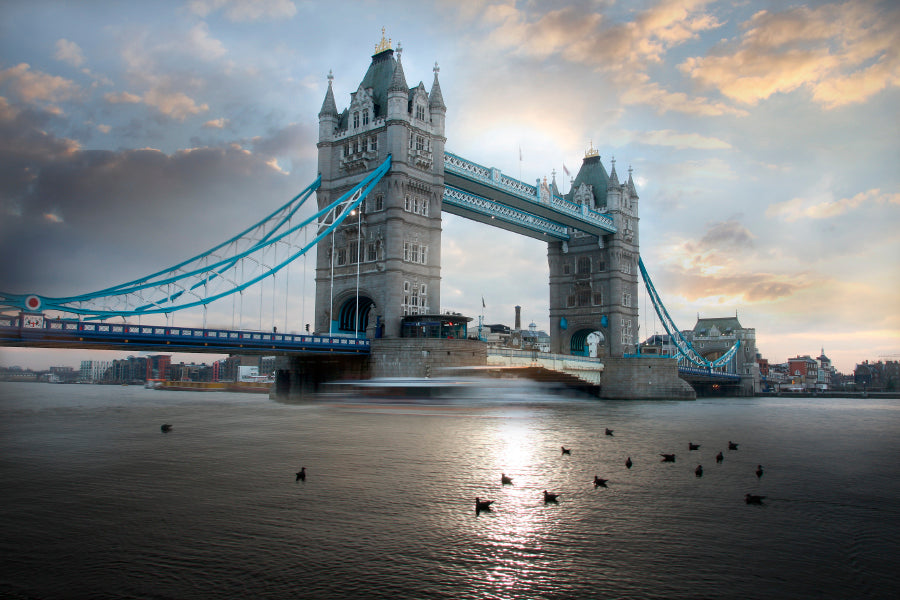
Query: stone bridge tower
(594, 281)
(384, 263)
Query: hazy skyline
(763, 137)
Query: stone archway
(347, 321)
(587, 342)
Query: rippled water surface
(98, 503)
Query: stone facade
(424, 357)
(644, 378)
(594, 280)
(390, 253)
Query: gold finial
(591, 151)
(384, 44)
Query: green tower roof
(379, 77)
(594, 174)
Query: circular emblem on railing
(33, 303)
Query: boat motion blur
(437, 390)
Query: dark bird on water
(548, 497)
(693, 446)
(668, 458)
(720, 457)
(699, 471)
(301, 474)
(732, 445)
(759, 471)
(628, 463)
(753, 499)
(504, 480)
(481, 505)
(166, 428)
(609, 431)
(599, 481)
(566, 450)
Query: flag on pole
(520, 153)
(483, 305)
(565, 170)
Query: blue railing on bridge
(34, 330)
(708, 373)
(495, 178)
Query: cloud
(582, 34)
(800, 208)
(715, 252)
(245, 10)
(202, 45)
(177, 105)
(174, 104)
(668, 137)
(124, 212)
(639, 91)
(841, 53)
(122, 98)
(219, 123)
(30, 86)
(69, 52)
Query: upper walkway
(486, 195)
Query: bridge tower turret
(594, 280)
(385, 262)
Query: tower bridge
(384, 181)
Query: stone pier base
(424, 357)
(644, 378)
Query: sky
(764, 139)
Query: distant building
(63, 375)
(660, 344)
(713, 337)
(804, 372)
(825, 373)
(93, 371)
(158, 366)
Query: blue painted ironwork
(37, 331)
(709, 373)
(208, 276)
(465, 204)
(529, 195)
(684, 347)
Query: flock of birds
(549, 497)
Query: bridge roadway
(37, 332)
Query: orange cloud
(176, 105)
(800, 208)
(31, 86)
(842, 53)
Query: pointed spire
(613, 178)
(435, 98)
(328, 106)
(398, 81)
(630, 184)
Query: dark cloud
(75, 220)
(727, 235)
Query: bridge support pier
(643, 378)
(299, 378)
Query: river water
(97, 502)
